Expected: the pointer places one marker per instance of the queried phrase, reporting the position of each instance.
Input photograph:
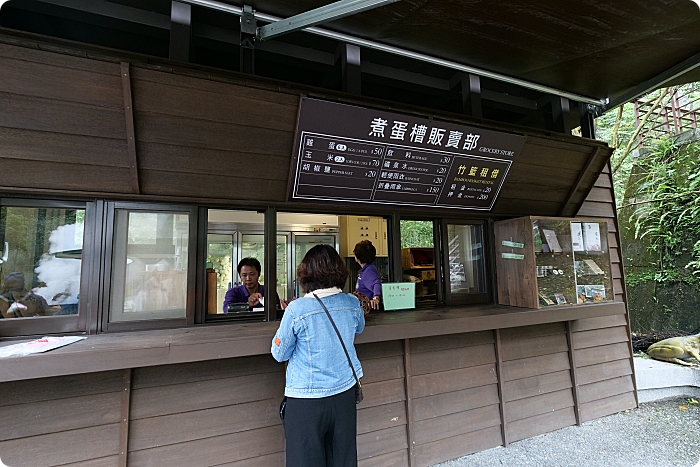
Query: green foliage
(416, 234)
(663, 211)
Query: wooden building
(131, 157)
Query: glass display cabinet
(545, 261)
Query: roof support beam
(180, 31)
(653, 83)
(350, 68)
(319, 15)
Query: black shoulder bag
(358, 384)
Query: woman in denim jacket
(320, 418)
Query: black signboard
(353, 154)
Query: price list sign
(352, 154)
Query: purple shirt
(239, 294)
(368, 281)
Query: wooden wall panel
(212, 451)
(381, 418)
(63, 447)
(455, 396)
(598, 337)
(536, 385)
(539, 424)
(208, 413)
(598, 323)
(392, 459)
(608, 406)
(603, 371)
(457, 446)
(606, 388)
(61, 84)
(62, 420)
(527, 367)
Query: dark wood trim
(581, 175)
(115, 351)
(200, 286)
(574, 376)
(270, 242)
(501, 398)
(410, 433)
(130, 132)
(125, 419)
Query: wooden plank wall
(221, 412)
(455, 403)
(220, 140)
(537, 381)
(72, 421)
(382, 439)
(605, 380)
(63, 123)
(602, 348)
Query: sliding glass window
(151, 264)
(41, 261)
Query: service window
(151, 265)
(235, 270)
(464, 253)
(419, 263)
(41, 260)
(445, 260)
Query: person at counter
(368, 280)
(250, 291)
(18, 302)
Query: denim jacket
(317, 365)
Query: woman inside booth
(368, 281)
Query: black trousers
(321, 432)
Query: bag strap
(339, 338)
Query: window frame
(104, 324)
(17, 327)
(473, 298)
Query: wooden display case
(544, 261)
(420, 263)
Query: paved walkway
(662, 432)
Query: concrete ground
(664, 431)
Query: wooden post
(130, 131)
(124, 428)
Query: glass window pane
(40, 260)
(418, 258)
(233, 236)
(466, 255)
(149, 265)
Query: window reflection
(40, 261)
(149, 265)
(466, 259)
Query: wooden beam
(574, 377)
(349, 58)
(409, 403)
(180, 31)
(576, 185)
(124, 428)
(471, 95)
(130, 133)
(501, 399)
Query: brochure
(591, 236)
(577, 236)
(552, 240)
